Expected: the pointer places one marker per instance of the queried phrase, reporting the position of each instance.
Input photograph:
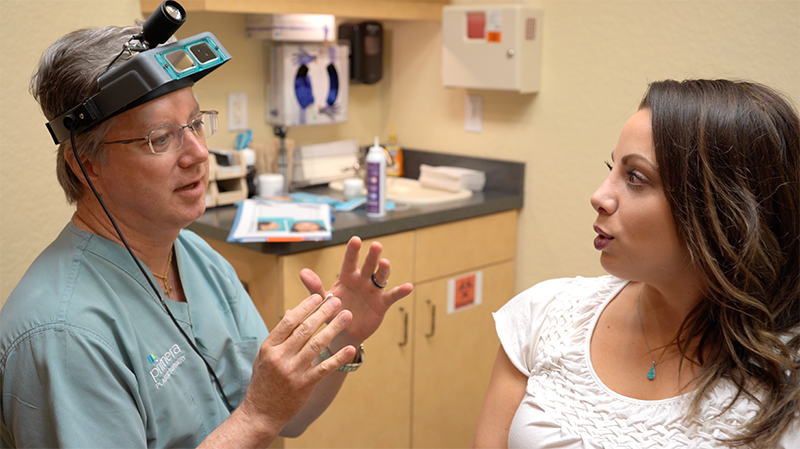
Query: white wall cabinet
(491, 46)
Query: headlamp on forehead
(149, 72)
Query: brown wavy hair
(728, 154)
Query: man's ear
(69, 155)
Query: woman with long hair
(692, 339)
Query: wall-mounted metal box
(492, 47)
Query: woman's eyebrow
(628, 157)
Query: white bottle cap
(376, 146)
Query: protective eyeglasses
(170, 138)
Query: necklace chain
(651, 375)
(165, 277)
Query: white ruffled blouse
(546, 331)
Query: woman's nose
(603, 200)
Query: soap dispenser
(376, 181)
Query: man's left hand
(359, 294)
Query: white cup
(353, 188)
(270, 184)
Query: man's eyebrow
(154, 126)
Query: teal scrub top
(90, 358)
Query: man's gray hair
(66, 75)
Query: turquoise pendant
(652, 373)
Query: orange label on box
(493, 36)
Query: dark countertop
(503, 191)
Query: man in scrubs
(101, 349)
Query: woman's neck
(662, 309)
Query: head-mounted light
(148, 74)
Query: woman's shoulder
(578, 284)
(568, 289)
(553, 307)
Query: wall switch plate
(473, 114)
(237, 111)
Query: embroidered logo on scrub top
(165, 365)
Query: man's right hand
(283, 377)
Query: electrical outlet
(237, 111)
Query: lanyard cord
(149, 281)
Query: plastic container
(376, 181)
(352, 188)
(396, 153)
(270, 184)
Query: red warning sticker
(465, 292)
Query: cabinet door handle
(405, 327)
(433, 318)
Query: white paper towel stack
(451, 178)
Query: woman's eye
(635, 178)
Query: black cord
(113, 61)
(149, 281)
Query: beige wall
(598, 57)
(32, 206)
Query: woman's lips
(602, 240)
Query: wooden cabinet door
(454, 354)
(326, 262)
(425, 373)
(373, 408)
(465, 244)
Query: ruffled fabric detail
(566, 405)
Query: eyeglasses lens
(210, 123)
(166, 139)
(170, 138)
